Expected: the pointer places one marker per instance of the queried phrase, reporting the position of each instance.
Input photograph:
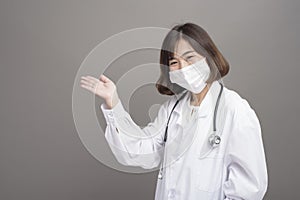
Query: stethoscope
(214, 139)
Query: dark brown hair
(199, 39)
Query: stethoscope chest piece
(214, 140)
(160, 176)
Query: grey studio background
(43, 43)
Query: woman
(194, 163)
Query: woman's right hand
(102, 87)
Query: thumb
(104, 78)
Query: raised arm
(131, 144)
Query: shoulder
(235, 103)
(239, 109)
(242, 118)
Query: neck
(198, 97)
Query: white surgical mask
(192, 77)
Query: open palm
(102, 87)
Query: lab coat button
(171, 194)
(111, 120)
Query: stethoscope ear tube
(214, 139)
(216, 107)
(160, 174)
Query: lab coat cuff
(112, 114)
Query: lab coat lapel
(182, 139)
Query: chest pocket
(209, 174)
(209, 167)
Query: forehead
(181, 47)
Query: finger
(88, 88)
(104, 78)
(95, 80)
(87, 83)
(90, 79)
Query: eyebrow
(183, 54)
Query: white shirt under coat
(235, 170)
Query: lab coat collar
(207, 105)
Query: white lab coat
(234, 170)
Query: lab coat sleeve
(247, 176)
(131, 144)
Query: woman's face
(184, 55)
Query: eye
(171, 63)
(189, 57)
